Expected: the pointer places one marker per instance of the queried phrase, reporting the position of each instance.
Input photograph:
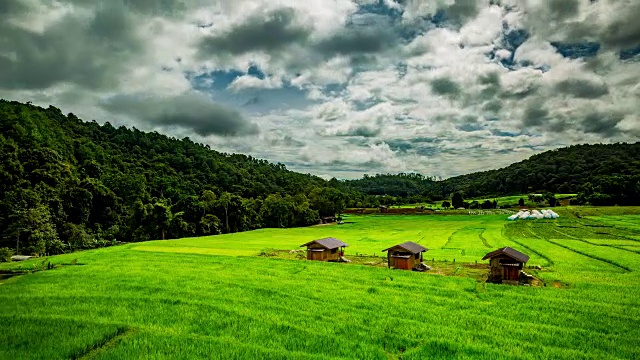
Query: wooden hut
(506, 264)
(405, 256)
(327, 249)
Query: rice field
(216, 298)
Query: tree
(457, 200)
(160, 218)
(487, 204)
(446, 204)
(224, 201)
(275, 211)
(77, 237)
(551, 199)
(210, 225)
(34, 232)
(521, 202)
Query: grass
(215, 298)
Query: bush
(5, 254)
(268, 252)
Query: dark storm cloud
(89, 53)
(562, 9)
(287, 141)
(624, 32)
(149, 7)
(353, 42)
(621, 31)
(493, 106)
(268, 33)
(462, 10)
(12, 8)
(365, 131)
(445, 86)
(492, 85)
(191, 111)
(582, 88)
(603, 124)
(535, 115)
(365, 34)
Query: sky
(338, 88)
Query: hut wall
(333, 255)
(325, 255)
(504, 273)
(401, 263)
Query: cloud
(91, 51)
(602, 123)
(535, 115)
(268, 32)
(188, 111)
(582, 88)
(445, 86)
(355, 41)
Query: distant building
(405, 256)
(506, 265)
(327, 249)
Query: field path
(104, 345)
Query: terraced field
(216, 298)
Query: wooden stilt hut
(327, 249)
(506, 265)
(405, 256)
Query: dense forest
(69, 184)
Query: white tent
(534, 215)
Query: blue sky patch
(577, 50)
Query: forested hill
(68, 184)
(602, 174)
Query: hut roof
(329, 243)
(514, 254)
(410, 246)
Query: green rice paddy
(216, 298)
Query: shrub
(5, 254)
